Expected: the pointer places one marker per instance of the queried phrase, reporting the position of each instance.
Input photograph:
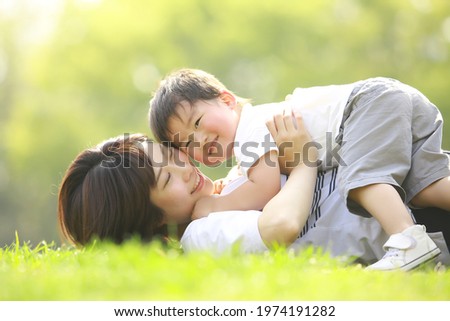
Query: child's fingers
(300, 124)
(272, 127)
(280, 124)
(298, 118)
(289, 121)
(285, 124)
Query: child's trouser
(390, 133)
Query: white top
(329, 226)
(321, 107)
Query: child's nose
(201, 138)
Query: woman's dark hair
(105, 193)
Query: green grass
(134, 271)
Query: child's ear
(228, 98)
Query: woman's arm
(285, 214)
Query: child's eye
(197, 122)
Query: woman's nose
(183, 167)
(186, 171)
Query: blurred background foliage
(73, 73)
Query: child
(385, 137)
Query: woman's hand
(293, 141)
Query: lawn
(136, 272)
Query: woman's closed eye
(167, 180)
(171, 156)
(164, 172)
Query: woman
(128, 185)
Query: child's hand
(293, 141)
(203, 207)
(219, 185)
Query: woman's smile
(199, 181)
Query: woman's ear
(228, 98)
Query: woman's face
(179, 184)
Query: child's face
(206, 130)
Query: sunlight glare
(422, 5)
(3, 66)
(446, 29)
(145, 77)
(33, 20)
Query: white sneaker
(407, 250)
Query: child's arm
(263, 184)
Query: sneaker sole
(422, 259)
